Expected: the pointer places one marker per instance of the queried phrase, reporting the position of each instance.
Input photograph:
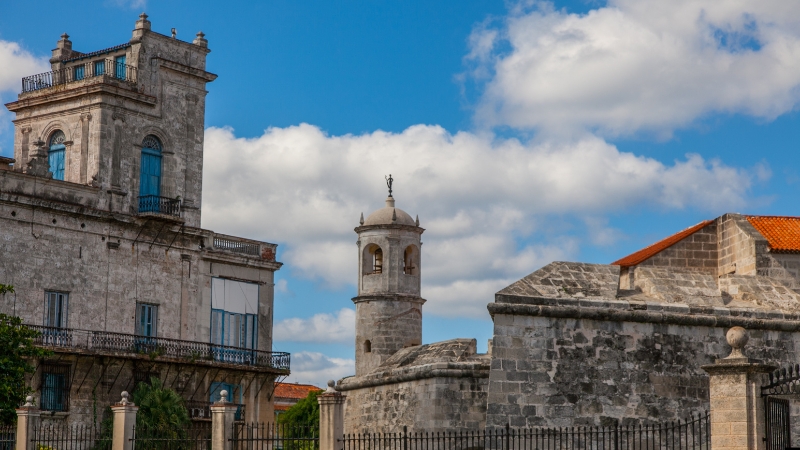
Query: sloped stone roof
(568, 279)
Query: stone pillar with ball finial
(223, 414)
(737, 410)
(27, 421)
(331, 418)
(124, 421)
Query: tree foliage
(16, 349)
(299, 425)
(161, 409)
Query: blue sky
(519, 132)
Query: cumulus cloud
(638, 66)
(316, 368)
(482, 200)
(15, 63)
(321, 328)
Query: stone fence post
(223, 413)
(737, 409)
(331, 418)
(124, 423)
(27, 421)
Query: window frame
(52, 401)
(62, 298)
(153, 309)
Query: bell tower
(388, 305)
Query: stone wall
(580, 363)
(695, 252)
(739, 243)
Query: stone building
(579, 344)
(100, 236)
(398, 381)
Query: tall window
(55, 387)
(234, 309)
(55, 309)
(147, 319)
(119, 63)
(150, 175)
(56, 154)
(79, 72)
(99, 67)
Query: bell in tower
(388, 305)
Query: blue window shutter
(79, 72)
(99, 68)
(56, 160)
(120, 67)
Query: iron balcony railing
(108, 68)
(202, 410)
(106, 341)
(159, 205)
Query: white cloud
(321, 328)
(638, 66)
(482, 200)
(16, 63)
(316, 368)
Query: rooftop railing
(109, 342)
(78, 72)
(159, 205)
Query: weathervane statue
(389, 181)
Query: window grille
(55, 309)
(57, 138)
(55, 387)
(152, 142)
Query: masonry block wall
(698, 252)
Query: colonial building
(100, 236)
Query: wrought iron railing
(271, 436)
(8, 437)
(108, 68)
(202, 410)
(159, 205)
(690, 434)
(231, 245)
(111, 342)
(69, 437)
(197, 436)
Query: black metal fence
(159, 205)
(106, 341)
(270, 436)
(690, 434)
(8, 437)
(77, 72)
(66, 437)
(194, 437)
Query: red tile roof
(645, 253)
(782, 232)
(294, 391)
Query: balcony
(93, 69)
(121, 344)
(244, 247)
(153, 204)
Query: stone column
(223, 414)
(27, 421)
(124, 421)
(331, 418)
(737, 409)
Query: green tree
(299, 425)
(16, 349)
(162, 413)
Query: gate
(777, 419)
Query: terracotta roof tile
(645, 253)
(295, 391)
(782, 232)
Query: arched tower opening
(411, 260)
(372, 261)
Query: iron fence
(690, 434)
(271, 436)
(159, 205)
(194, 437)
(8, 437)
(108, 67)
(66, 437)
(155, 346)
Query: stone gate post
(124, 422)
(737, 409)
(27, 421)
(331, 418)
(223, 413)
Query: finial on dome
(417, 221)
(389, 181)
(362, 219)
(394, 215)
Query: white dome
(385, 215)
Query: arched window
(411, 260)
(372, 259)
(150, 172)
(55, 154)
(367, 346)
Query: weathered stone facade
(86, 259)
